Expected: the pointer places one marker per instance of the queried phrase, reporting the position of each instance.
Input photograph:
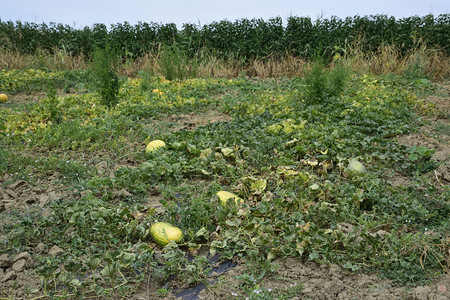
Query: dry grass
(421, 61)
(207, 66)
(59, 60)
(388, 59)
(270, 67)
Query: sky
(81, 13)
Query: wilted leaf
(205, 153)
(138, 215)
(271, 255)
(258, 185)
(227, 151)
(202, 232)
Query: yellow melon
(224, 196)
(155, 145)
(162, 233)
(3, 98)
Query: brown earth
(193, 120)
(327, 282)
(17, 272)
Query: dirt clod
(55, 251)
(39, 248)
(19, 265)
(12, 193)
(43, 199)
(11, 275)
(4, 261)
(23, 255)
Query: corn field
(244, 39)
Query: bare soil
(191, 121)
(328, 282)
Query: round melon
(3, 98)
(155, 145)
(224, 196)
(162, 233)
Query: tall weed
(324, 84)
(173, 63)
(52, 105)
(104, 68)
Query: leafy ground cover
(79, 193)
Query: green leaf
(413, 157)
(202, 232)
(72, 267)
(351, 266)
(109, 270)
(128, 258)
(263, 207)
(424, 151)
(93, 263)
(313, 255)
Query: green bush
(104, 69)
(323, 84)
(52, 105)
